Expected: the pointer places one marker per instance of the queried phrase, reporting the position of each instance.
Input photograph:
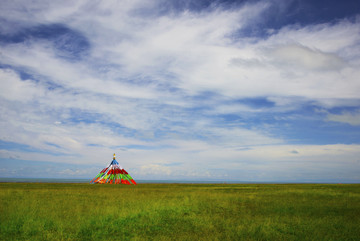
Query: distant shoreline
(83, 180)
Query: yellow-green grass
(48, 211)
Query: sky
(252, 90)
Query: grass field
(40, 211)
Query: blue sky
(193, 90)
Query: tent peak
(114, 157)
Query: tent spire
(114, 157)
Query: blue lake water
(57, 180)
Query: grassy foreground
(37, 211)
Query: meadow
(54, 211)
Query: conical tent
(114, 174)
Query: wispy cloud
(349, 117)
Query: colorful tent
(114, 174)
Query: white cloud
(155, 170)
(14, 89)
(303, 57)
(196, 51)
(328, 38)
(352, 118)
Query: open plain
(55, 211)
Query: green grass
(38, 211)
